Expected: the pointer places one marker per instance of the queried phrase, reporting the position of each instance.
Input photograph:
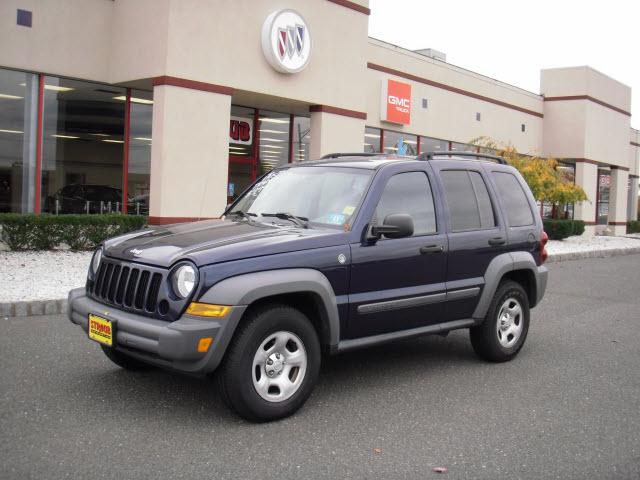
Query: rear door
(516, 204)
(475, 229)
(397, 284)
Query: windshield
(324, 195)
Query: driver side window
(410, 193)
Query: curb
(611, 252)
(33, 307)
(58, 307)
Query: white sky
(513, 40)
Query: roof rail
(453, 153)
(359, 154)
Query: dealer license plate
(100, 330)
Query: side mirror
(395, 225)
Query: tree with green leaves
(547, 183)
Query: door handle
(431, 249)
(497, 241)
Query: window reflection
(400, 143)
(18, 116)
(83, 137)
(273, 130)
(139, 152)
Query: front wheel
(502, 334)
(272, 365)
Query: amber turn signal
(204, 344)
(207, 310)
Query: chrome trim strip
(401, 303)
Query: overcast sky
(513, 40)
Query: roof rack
(453, 153)
(360, 154)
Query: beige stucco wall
(450, 115)
(219, 42)
(189, 155)
(70, 38)
(582, 128)
(332, 133)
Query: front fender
(243, 290)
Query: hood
(214, 241)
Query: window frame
(504, 205)
(492, 199)
(433, 201)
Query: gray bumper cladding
(171, 345)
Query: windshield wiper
(299, 221)
(242, 214)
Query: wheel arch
(305, 289)
(517, 266)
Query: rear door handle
(497, 241)
(431, 249)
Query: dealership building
(170, 108)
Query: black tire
(235, 376)
(485, 337)
(124, 361)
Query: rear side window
(410, 193)
(514, 199)
(468, 199)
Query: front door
(398, 284)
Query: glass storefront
(138, 184)
(400, 143)
(83, 145)
(18, 138)
(428, 144)
(83, 137)
(273, 130)
(371, 140)
(280, 138)
(301, 138)
(604, 186)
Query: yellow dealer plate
(100, 330)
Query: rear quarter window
(514, 199)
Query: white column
(587, 178)
(333, 133)
(618, 201)
(632, 199)
(189, 154)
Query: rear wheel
(124, 361)
(272, 364)
(504, 330)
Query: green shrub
(633, 226)
(578, 227)
(80, 232)
(559, 229)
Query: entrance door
(243, 150)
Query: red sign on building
(396, 102)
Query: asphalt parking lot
(567, 407)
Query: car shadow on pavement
(174, 397)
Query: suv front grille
(128, 285)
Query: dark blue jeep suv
(318, 258)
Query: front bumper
(170, 345)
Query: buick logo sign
(286, 41)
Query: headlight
(95, 262)
(184, 280)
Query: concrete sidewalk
(37, 283)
